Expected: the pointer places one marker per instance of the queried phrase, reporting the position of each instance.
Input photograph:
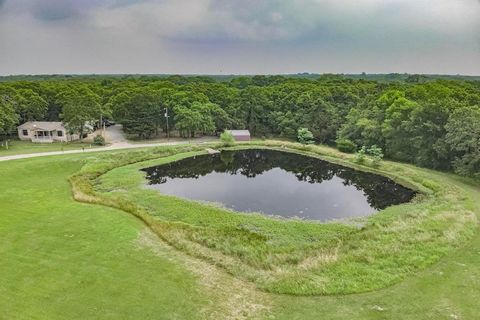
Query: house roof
(42, 125)
(239, 132)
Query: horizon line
(234, 74)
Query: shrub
(98, 140)
(346, 145)
(361, 154)
(376, 154)
(304, 136)
(227, 139)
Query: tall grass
(288, 256)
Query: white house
(45, 132)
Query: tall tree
(254, 103)
(463, 137)
(197, 117)
(80, 106)
(30, 105)
(318, 116)
(396, 124)
(8, 117)
(139, 111)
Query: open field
(65, 259)
(25, 147)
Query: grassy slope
(62, 259)
(25, 147)
(448, 290)
(299, 257)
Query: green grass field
(25, 147)
(63, 259)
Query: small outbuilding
(44, 132)
(240, 135)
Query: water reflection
(278, 183)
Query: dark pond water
(278, 183)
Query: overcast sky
(239, 36)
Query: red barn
(240, 135)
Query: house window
(25, 132)
(59, 133)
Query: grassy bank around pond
(62, 259)
(294, 256)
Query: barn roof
(239, 132)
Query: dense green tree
(139, 111)
(220, 117)
(395, 127)
(286, 123)
(30, 105)
(363, 125)
(412, 118)
(426, 130)
(463, 137)
(318, 115)
(80, 106)
(196, 118)
(8, 117)
(254, 104)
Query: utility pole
(102, 126)
(166, 117)
(6, 99)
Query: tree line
(433, 123)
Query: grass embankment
(295, 257)
(61, 259)
(25, 147)
(66, 260)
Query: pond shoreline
(277, 183)
(283, 256)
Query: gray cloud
(54, 10)
(240, 36)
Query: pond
(278, 183)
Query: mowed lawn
(25, 147)
(61, 259)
